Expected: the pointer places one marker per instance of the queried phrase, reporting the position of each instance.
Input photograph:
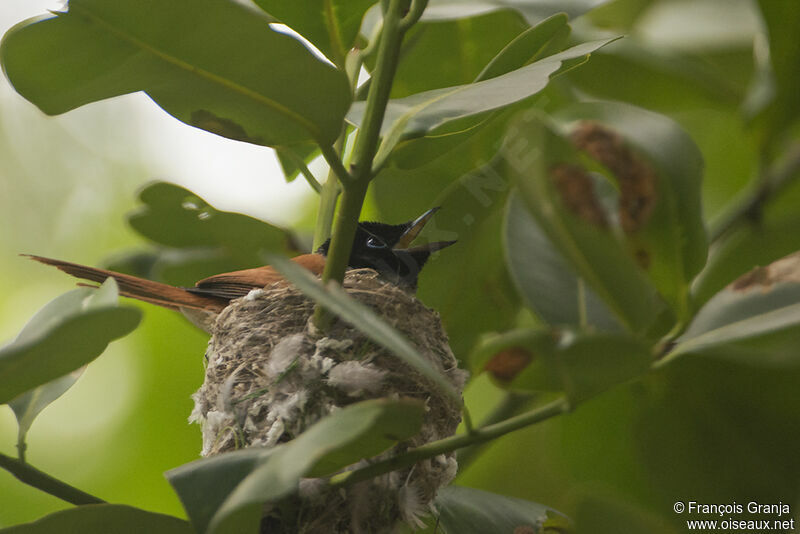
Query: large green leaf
(28, 405)
(659, 172)
(213, 64)
(755, 321)
(548, 36)
(582, 364)
(361, 317)
(68, 333)
(471, 191)
(346, 436)
(203, 485)
(423, 112)
(575, 223)
(547, 283)
(534, 10)
(444, 53)
(331, 25)
(176, 217)
(742, 249)
(102, 519)
(471, 511)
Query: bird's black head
(385, 248)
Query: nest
(270, 375)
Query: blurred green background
(702, 430)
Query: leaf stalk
(40, 480)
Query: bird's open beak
(413, 230)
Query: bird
(379, 246)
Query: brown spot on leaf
(575, 187)
(635, 175)
(524, 529)
(507, 364)
(215, 124)
(786, 269)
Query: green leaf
(429, 172)
(69, 332)
(213, 64)
(361, 317)
(357, 431)
(530, 45)
(465, 42)
(102, 519)
(575, 224)
(756, 322)
(31, 403)
(331, 25)
(203, 485)
(176, 217)
(423, 112)
(470, 511)
(744, 247)
(661, 177)
(533, 10)
(547, 283)
(583, 364)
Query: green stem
(510, 404)
(331, 189)
(380, 87)
(435, 448)
(46, 483)
(304, 170)
(335, 163)
(356, 184)
(771, 183)
(327, 200)
(414, 14)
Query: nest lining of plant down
(270, 375)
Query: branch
(355, 189)
(772, 183)
(509, 405)
(335, 163)
(414, 13)
(435, 448)
(46, 483)
(304, 170)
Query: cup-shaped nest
(270, 375)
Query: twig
(509, 405)
(357, 181)
(773, 182)
(335, 163)
(435, 448)
(304, 170)
(40, 480)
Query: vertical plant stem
(331, 188)
(355, 190)
(327, 199)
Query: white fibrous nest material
(271, 375)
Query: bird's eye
(374, 242)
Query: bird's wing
(239, 283)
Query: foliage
(593, 185)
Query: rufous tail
(142, 289)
